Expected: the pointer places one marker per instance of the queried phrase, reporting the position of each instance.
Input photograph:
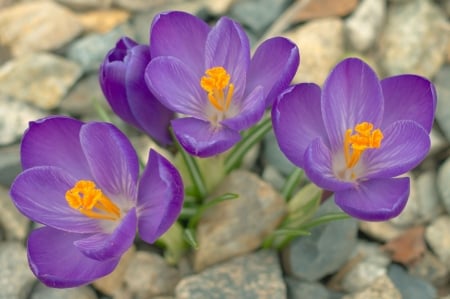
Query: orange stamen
(216, 83)
(91, 202)
(364, 138)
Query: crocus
(81, 181)
(358, 135)
(121, 77)
(207, 75)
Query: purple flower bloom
(122, 81)
(206, 75)
(82, 182)
(357, 135)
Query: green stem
(291, 182)
(253, 136)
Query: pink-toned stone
(325, 8)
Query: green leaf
(174, 244)
(189, 236)
(291, 183)
(325, 219)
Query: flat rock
(14, 118)
(414, 39)
(236, 227)
(437, 236)
(103, 21)
(86, 4)
(364, 25)
(43, 292)
(325, 8)
(324, 251)
(321, 44)
(37, 26)
(254, 276)
(14, 224)
(149, 275)
(41, 79)
(16, 278)
(90, 50)
(381, 288)
(410, 287)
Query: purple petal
(113, 161)
(297, 120)
(404, 146)
(375, 200)
(39, 194)
(152, 117)
(200, 138)
(180, 35)
(176, 86)
(113, 76)
(250, 112)
(351, 95)
(409, 97)
(228, 46)
(55, 141)
(59, 264)
(318, 167)
(105, 246)
(160, 197)
(273, 66)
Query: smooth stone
(113, 283)
(90, 50)
(431, 269)
(254, 276)
(297, 289)
(409, 286)
(372, 265)
(323, 252)
(149, 275)
(5, 3)
(85, 95)
(364, 25)
(86, 4)
(10, 165)
(271, 175)
(322, 46)
(325, 8)
(413, 40)
(423, 203)
(443, 179)
(37, 26)
(257, 15)
(438, 141)
(438, 237)
(218, 8)
(381, 288)
(41, 79)
(103, 21)
(16, 278)
(13, 222)
(14, 118)
(443, 93)
(274, 157)
(43, 292)
(142, 5)
(380, 231)
(238, 226)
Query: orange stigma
(364, 138)
(91, 202)
(216, 83)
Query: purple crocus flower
(81, 181)
(206, 74)
(357, 135)
(122, 81)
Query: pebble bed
(50, 52)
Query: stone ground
(49, 57)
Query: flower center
(216, 83)
(91, 202)
(364, 138)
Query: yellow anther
(364, 138)
(90, 201)
(216, 83)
